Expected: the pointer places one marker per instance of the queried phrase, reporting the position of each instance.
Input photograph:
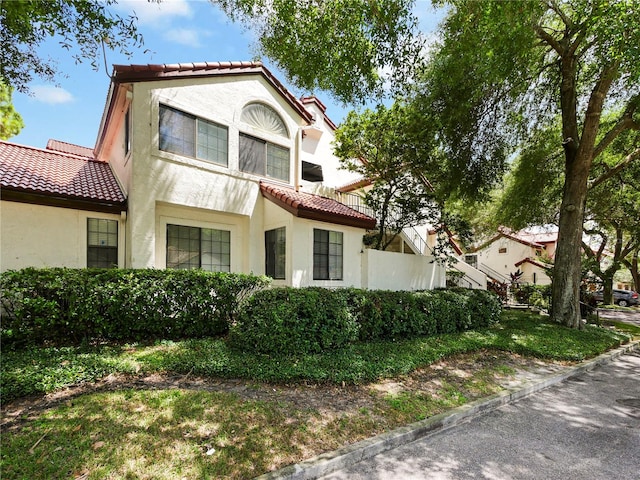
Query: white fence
(397, 271)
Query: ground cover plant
(209, 412)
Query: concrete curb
(344, 457)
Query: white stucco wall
(41, 236)
(503, 263)
(534, 274)
(397, 271)
(201, 186)
(299, 248)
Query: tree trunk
(633, 269)
(579, 150)
(607, 292)
(567, 266)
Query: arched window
(265, 118)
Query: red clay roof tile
(65, 147)
(315, 207)
(49, 173)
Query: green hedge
(288, 321)
(63, 305)
(294, 320)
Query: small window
(188, 135)
(127, 132)
(263, 158)
(275, 253)
(471, 260)
(311, 172)
(502, 250)
(102, 243)
(327, 255)
(193, 247)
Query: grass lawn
(169, 433)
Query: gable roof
(314, 100)
(532, 262)
(355, 185)
(47, 177)
(315, 207)
(534, 240)
(147, 73)
(65, 147)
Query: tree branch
(548, 39)
(566, 20)
(615, 170)
(624, 123)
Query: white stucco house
(507, 252)
(201, 165)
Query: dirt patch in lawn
(494, 370)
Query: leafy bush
(63, 305)
(532, 294)
(289, 321)
(294, 320)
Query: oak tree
(506, 70)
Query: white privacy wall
(397, 271)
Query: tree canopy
(505, 72)
(10, 121)
(80, 26)
(349, 48)
(378, 145)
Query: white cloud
(51, 95)
(186, 36)
(155, 13)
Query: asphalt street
(586, 428)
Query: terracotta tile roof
(322, 107)
(532, 262)
(65, 147)
(146, 73)
(355, 185)
(48, 177)
(315, 207)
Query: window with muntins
(102, 243)
(275, 247)
(262, 158)
(327, 255)
(194, 247)
(191, 136)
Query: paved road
(586, 428)
(629, 316)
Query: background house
(508, 252)
(210, 165)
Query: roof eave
(300, 211)
(62, 201)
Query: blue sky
(174, 31)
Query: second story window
(191, 136)
(259, 156)
(263, 158)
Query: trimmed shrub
(287, 321)
(63, 305)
